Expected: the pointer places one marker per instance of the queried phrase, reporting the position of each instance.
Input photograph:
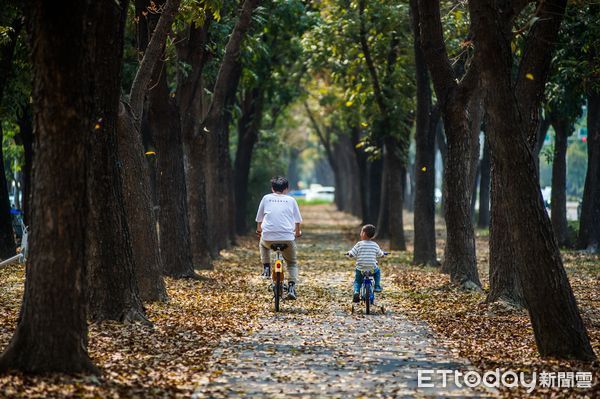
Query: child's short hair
(279, 183)
(369, 230)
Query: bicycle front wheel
(277, 290)
(368, 298)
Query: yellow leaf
(424, 169)
(529, 76)
(364, 124)
(150, 153)
(349, 103)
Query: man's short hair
(279, 183)
(369, 230)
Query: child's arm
(353, 253)
(380, 252)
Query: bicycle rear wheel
(277, 290)
(368, 298)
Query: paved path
(317, 348)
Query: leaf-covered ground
(492, 335)
(172, 359)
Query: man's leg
(265, 258)
(289, 254)
(377, 276)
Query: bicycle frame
(367, 286)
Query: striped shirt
(366, 253)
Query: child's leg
(358, 279)
(377, 276)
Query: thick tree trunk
(559, 183)
(215, 135)
(391, 211)
(248, 129)
(139, 209)
(459, 254)
(375, 181)
(113, 293)
(589, 225)
(558, 327)
(7, 237)
(362, 165)
(52, 332)
(163, 128)
(483, 217)
(174, 232)
(504, 279)
(190, 88)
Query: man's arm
(298, 232)
(259, 228)
(260, 214)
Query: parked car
(323, 193)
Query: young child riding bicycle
(278, 221)
(366, 252)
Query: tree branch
(151, 57)
(434, 48)
(228, 66)
(535, 63)
(379, 98)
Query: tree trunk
(362, 165)
(558, 198)
(163, 126)
(190, 88)
(7, 237)
(391, 211)
(52, 332)
(462, 138)
(589, 225)
(217, 165)
(174, 232)
(539, 141)
(504, 279)
(113, 293)
(483, 217)
(25, 123)
(557, 324)
(248, 129)
(138, 207)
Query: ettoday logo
(507, 379)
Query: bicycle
(367, 292)
(277, 274)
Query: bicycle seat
(279, 247)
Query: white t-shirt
(279, 214)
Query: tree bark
(25, 122)
(190, 87)
(164, 126)
(390, 224)
(248, 129)
(113, 293)
(483, 217)
(461, 113)
(7, 237)
(558, 327)
(589, 229)
(504, 278)
(139, 207)
(51, 335)
(558, 198)
(215, 135)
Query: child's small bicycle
(367, 292)
(277, 274)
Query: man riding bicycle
(278, 222)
